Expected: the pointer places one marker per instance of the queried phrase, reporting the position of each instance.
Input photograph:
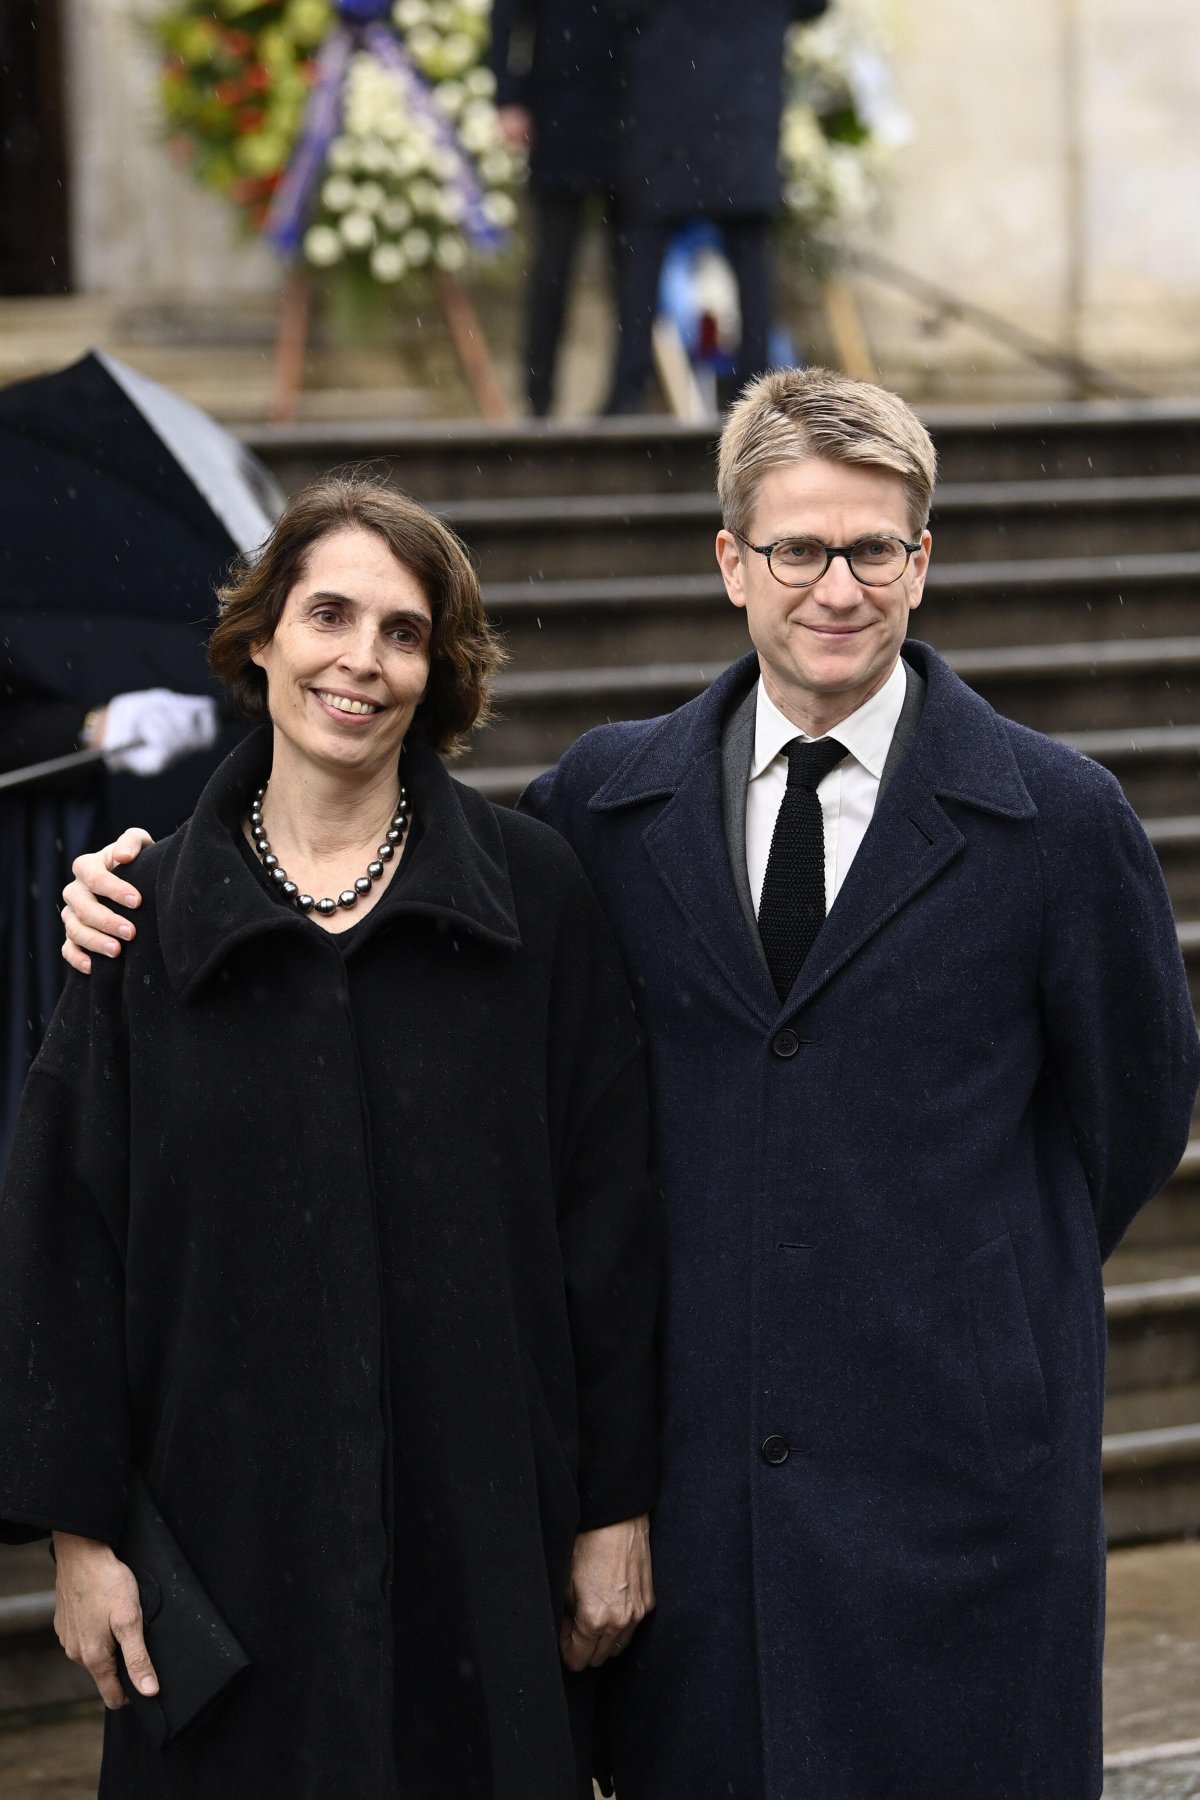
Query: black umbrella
(121, 506)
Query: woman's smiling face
(349, 659)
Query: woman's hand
(96, 1608)
(89, 925)
(609, 1594)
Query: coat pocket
(1014, 1391)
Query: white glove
(153, 728)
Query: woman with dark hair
(327, 1227)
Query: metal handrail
(1088, 377)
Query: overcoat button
(785, 1043)
(775, 1451)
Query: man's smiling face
(827, 648)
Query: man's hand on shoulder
(92, 929)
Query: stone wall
(1052, 179)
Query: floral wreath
(355, 133)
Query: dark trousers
(641, 243)
(557, 218)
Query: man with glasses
(921, 1046)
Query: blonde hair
(787, 415)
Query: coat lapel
(686, 845)
(958, 752)
(685, 842)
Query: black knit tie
(792, 908)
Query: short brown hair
(789, 414)
(464, 650)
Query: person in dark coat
(328, 1219)
(704, 95)
(893, 1155)
(559, 94)
(900, 1117)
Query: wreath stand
(462, 323)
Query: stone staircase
(1064, 587)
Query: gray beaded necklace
(394, 838)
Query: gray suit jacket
(737, 754)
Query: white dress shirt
(847, 794)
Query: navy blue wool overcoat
(562, 60)
(703, 95)
(879, 1545)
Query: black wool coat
(562, 60)
(704, 94)
(351, 1255)
(879, 1545)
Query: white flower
(408, 13)
(322, 246)
(338, 193)
(408, 158)
(424, 196)
(370, 196)
(372, 156)
(451, 206)
(343, 155)
(451, 252)
(481, 82)
(357, 229)
(500, 209)
(497, 168)
(396, 214)
(445, 164)
(424, 42)
(416, 245)
(477, 136)
(451, 95)
(458, 50)
(388, 262)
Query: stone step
(1177, 845)
(1158, 767)
(1152, 1483)
(1114, 686)
(458, 459)
(1170, 1226)
(609, 535)
(656, 618)
(1154, 1341)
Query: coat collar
(960, 752)
(960, 743)
(209, 902)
